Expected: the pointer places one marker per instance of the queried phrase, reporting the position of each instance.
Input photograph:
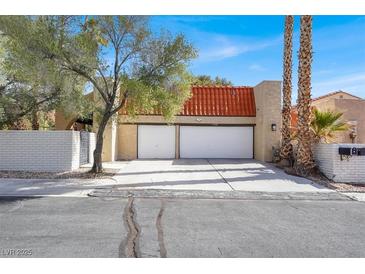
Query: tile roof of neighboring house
(334, 93)
(220, 101)
(330, 94)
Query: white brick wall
(92, 145)
(345, 171)
(39, 150)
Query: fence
(48, 151)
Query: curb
(224, 195)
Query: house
(216, 122)
(353, 109)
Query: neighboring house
(353, 109)
(216, 122)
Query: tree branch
(33, 106)
(121, 104)
(88, 77)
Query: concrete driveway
(201, 175)
(213, 174)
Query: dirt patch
(82, 173)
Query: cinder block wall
(345, 171)
(48, 151)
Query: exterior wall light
(273, 127)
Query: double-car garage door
(161, 142)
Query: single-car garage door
(156, 142)
(216, 142)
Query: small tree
(119, 57)
(206, 80)
(30, 85)
(325, 124)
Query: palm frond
(325, 124)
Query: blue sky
(248, 49)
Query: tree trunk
(304, 162)
(286, 149)
(35, 119)
(98, 166)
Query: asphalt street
(180, 227)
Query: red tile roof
(220, 101)
(217, 101)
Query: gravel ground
(341, 187)
(83, 173)
(321, 179)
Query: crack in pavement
(220, 174)
(129, 247)
(163, 252)
(220, 251)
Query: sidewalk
(47, 187)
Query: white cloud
(325, 71)
(215, 46)
(222, 47)
(256, 67)
(343, 80)
(353, 83)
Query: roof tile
(217, 101)
(220, 101)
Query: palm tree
(286, 149)
(304, 161)
(325, 124)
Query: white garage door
(216, 142)
(156, 142)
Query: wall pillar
(268, 112)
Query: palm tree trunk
(304, 162)
(286, 149)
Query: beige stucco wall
(196, 120)
(268, 112)
(353, 110)
(338, 95)
(177, 142)
(323, 105)
(61, 121)
(127, 142)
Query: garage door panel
(156, 142)
(216, 142)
